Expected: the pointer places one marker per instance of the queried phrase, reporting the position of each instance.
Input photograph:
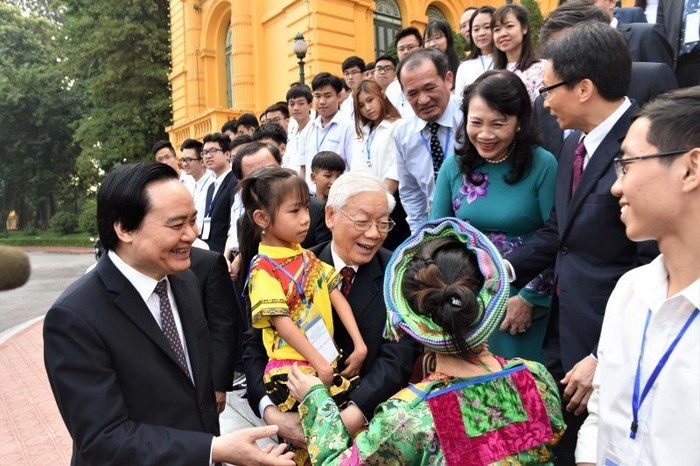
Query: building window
(229, 70)
(434, 14)
(387, 20)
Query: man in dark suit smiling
(357, 213)
(126, 347)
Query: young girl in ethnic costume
(291, 292)
(446, 286)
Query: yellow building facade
(235, 56)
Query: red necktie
(348, 273)
(579, 155)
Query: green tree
(37, 108)
(118, 53)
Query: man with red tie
(584, 238)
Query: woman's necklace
(511, 149)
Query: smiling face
(425, 90)
(508, 36)
(192, 163)
(650, 200)
(326, 100)
(161, 245)
(482, 36)
(490, 131)
(353, 246)
(215, 159)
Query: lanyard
(298, 284)
(447, 143)
(368, 145)
(481, 57)
(325, 132)
(636, 399)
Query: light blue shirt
(415, 164)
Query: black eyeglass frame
(621, 163)
(544, 91)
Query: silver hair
(356, 182)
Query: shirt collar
(219, 179)
(144, 284)
(339, 263)
(203, 180)
(317, 121)
(654, 283)
(595, 137)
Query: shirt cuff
(511, 271)
(264, 403)
(211, 452)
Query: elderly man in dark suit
(584, 238)
(356, 203)
(126, 347)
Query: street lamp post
(300, 48)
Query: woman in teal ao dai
(446, 287)
(501, 182)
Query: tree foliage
(118, 53)
(37, 108)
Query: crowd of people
(419, 261)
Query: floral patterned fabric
(532, 77)
(512, 418)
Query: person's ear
(123, 235)
(261, 218)
(691, 166)
(313, 177)
(585, 90)
(330, 217)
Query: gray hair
(356, 182)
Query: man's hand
(579, 384)
(234, 267)
(239, 447)
(518, 316)
(288, 423)
(220, 401)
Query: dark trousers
(688, 69)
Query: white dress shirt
(347, 109)
(375, 152)
(669, 418)
(146, 286)
(596, 136)
(199, 196)
(415, 163)
(470, 70)
(398, 99)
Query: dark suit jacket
(388, 364)
(221, 214)
(648, 81)
(632, 14)
(116, 381)
(585, 240)
(318, 231)
(670, 18)
(647, 43)
(222, 313)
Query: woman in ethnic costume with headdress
(446, 286)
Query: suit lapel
(128, 300)
(221, 190)
(565, 175)
(598, 165)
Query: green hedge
(38, 241)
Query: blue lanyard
(481, 57)
(298, 284)
(325, 132)
(636, 399)
(368, 145)
(447, 143)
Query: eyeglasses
(621, 163)
(275, 120)
(384, 69)
(434, 39)
(351, 72)
(383, 226)
(163, 158)
(407, 48)
(211, 151)
(189, 160)
(544, 91)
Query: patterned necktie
(169, 327)
(579, 155)
(348, 273)
(435, 147)
(691, 7)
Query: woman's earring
(263, 232)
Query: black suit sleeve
(254, 362)
(656, 48)
(223, 319)
(538, 253)
(389, 374)
(89, 396)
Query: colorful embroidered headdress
(492, 296)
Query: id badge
(320, 338)
(206, 226)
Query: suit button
(564, 251)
